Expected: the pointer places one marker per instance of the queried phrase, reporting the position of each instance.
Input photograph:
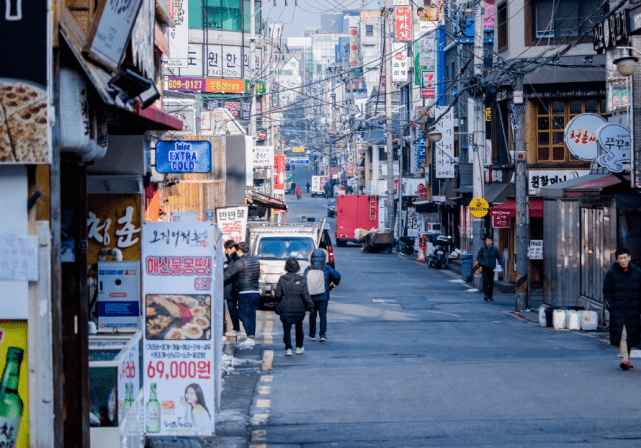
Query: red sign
(501, 219)
(422, 191)
(349, 168)
(403, 23)
(279, 173)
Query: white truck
(275, 244)
(318, 185)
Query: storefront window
(552, 118)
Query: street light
(627, 65)
(435, 136)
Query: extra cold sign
(183, 157)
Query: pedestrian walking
(294, 301)
(487, 258)
(298, 193)
(307, 185)
(622, 297)
(247, 270)
(320, 276)
(230, 291)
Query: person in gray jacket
(292, 293)
(487, 257)
(318, 260)
(247, 271)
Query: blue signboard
(183, 157)
(209, 214)
(299, 161)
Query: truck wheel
(341, 243)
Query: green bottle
(127, 403)
(153, 412)
(10, 402)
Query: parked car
(331, 208)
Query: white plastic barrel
(589, 320)
(558, 319)
(542, 319)
(573, 320)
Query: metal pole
(252, 66)
(522, 218)
(478, 146)
(388, 115)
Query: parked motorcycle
(437, 259)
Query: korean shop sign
(545, 178)
(612, 32)
(580, 135)
(403, 23)
(183, 157)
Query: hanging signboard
(110, 32)
(403, 30)
(263, 157)
(399, 62)
(279, 173)
(545, 178)
(232, 222)
(25, 74)
(580, 135)
(178, 35)
(444, 150)
(178, 360)
(183, 156)
(500, 219)
(614, 147)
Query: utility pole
(478, 146)
(388, 115)
(522, 218)
(252, 66)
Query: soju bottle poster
(14, 415)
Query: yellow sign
(488, 114)
(479, 207)
(14, 409)
(298, 149)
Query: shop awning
(498, 192)
(425, 206)
(152, 117)
(509, 208)
(589, 182)
(262, 200)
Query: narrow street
(414, 358)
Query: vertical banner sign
(232, 222)
(403, 30)
(178, 292)
(399, 62)
(444, 152)
(179, 35)
(279, 173)
(14, 414)
(25, 29)
(353, 47)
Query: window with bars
(552, 116)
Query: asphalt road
(415, 358)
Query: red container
(353, 212)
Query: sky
(307, 14)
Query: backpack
(316, 282)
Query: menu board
(179, 266)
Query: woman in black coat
(622, 296)
(294, 298)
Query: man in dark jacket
(247, 271)
(292, 292)
(487, 257)
(622, 296)
(230, 292)
(318, 260)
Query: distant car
(331, 209)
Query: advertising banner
(545, 178)
(279, 173)
(444, 150)
(403, 29)
(178, 362)
(399, 62)
(178, 35)
(14, 413)
(183, 156)
(24, 103)
(232, 222)
(263, 157)
(118, 294)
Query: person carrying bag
(321, 278)
(294, 301)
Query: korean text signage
(479, 207)
(110, 33)
(403, 23)
(279, 173)
(220, 61)
(213, 85)
(179, 34)
(399, 62)
(501, 219)
(24, 129)
(178, 360)
(614, 147)
(263, 157)
(444, 153)
(580, 135)
(353, 47)
(612, 31)
(232, 222)
(545, 178)
(183, 157)
(18, 257)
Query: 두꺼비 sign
(183, 157)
